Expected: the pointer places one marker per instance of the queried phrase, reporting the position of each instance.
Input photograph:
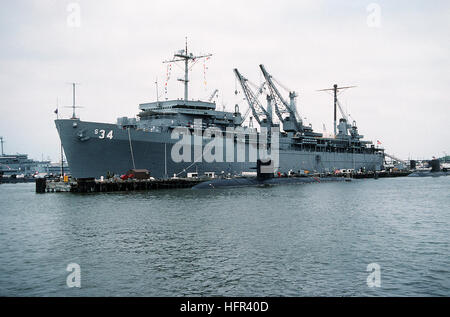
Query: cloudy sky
(396, 52)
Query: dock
(118, 185)
(113, 185)
(381, 174)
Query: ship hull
(96, 149)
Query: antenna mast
(185, 56)
(335, 90)
(1, 141)
(73, 103)
(157, 92)
(73, 106)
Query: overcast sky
(396, 52)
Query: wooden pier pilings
(41, 185)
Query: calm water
(294, 240)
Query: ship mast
(73, 101)
(1, 141)
(336, 90)
(186, 57)
(73, 106)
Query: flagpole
(62, 156)
(57, 109)
(62, 162)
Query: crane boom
(213, 95)
(258, 93)
(259, 112)
(282, 108)
(344, 115)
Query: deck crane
(285, 111)
(261, 115)
(344, 115)
(259, 91)
(213, 95)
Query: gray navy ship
(19, 168)
(96, 149)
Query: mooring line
(131, 148)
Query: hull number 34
(102, 134)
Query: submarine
(435, 171)
(264, 178)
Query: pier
(381, 174)
(118, 185)
(113, 185)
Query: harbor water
(290, 240)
